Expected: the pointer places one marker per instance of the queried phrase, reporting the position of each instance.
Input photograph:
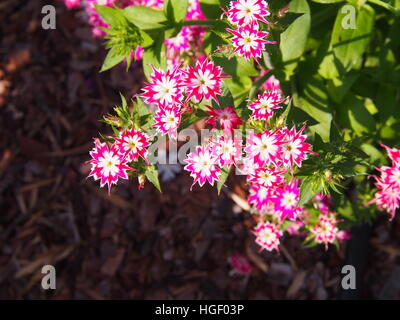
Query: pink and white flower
(267, 236)
(165, 87)
(244, 12)
(285, 200)
(267, 177)
(179, 44)
(226, 118)
(203, 165)
(203, 81)
(326, 230)
(240, 264)
(388, 196)
(108, 164)
(228, 150)
(271, 84)
(263, 108)
(294, 150)
(264, 147)
(71, 4)
(394, 154)
(260, 198)
(322, 202)
(133, 144)
(167, 120)
(295, 226)
(387, 199)
(248, 41)
(194, 11)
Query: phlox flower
(260, 198)
(108, 164)
(247, 166)
(326, 230)
(263, 108)
(248, 41)
(322, 202)
(390, 176)
(244, 12)
(285, 200)
(388, 183)
(294, 150)
(71, 4)
(271, 84)
(267, 236)
(156, 4)
(203, 81)
(295, 226)
(179, 44)
(194, 11)
(167, 120)
(265, 147)
(267, 177)
(133, 144)
(394, 154)
(240, 264)
(388, 199)
(203, 166)
(226, 118)
(228, 150)
(164, 88)
(94, 18)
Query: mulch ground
(133, 244)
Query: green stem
(200, 22)
(386, 6)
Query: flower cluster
(109, 163)
(187, 43)
(388, 183)
(207, 161)
(174, 89)
(248, 40)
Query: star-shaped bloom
(108, 164)
(203, 165)
(203, 81)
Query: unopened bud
(113, 121)
(329, 175)
(142, 180)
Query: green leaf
(222, 178)
(338, 87)
(190, 118)
(239, 88)
(155, 56)
(114, 56)
(348, 44)
(225, 100)
(314, 101)
(151, 173)
(293, 39)
(146, 18)
(236, 66)
(211, 8)
(146, 39)
(353, 115)
(328, 1)
(113, 17)
(175, 10)
(310, 186)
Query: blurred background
(132, 244)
